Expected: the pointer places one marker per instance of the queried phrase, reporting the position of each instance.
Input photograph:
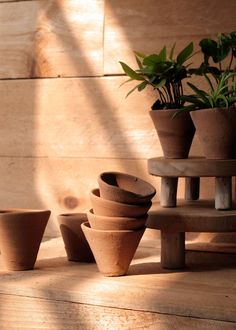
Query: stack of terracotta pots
(117, 220)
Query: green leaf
(172, 52)
(130, 72)
(185, 53)
(132, 90)
(199, 92)
(138, 62)
(162, 55)
(160, 84)
(139, 54)
(151, 59)
(142, 86)
(128, 80)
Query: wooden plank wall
(64, 116)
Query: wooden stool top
(194, 216)
(191, 167)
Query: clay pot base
(76, 245)
(113, 250)
(21, 233)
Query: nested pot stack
(116, 222)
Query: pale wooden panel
(33, 313)
(84, 117)
(190, 292)
(59, 184)
(148, 25)
(50, 38)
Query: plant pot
(125, 188)
(216, 130)
(175, 134)
(102, 222)
(76, 245)
(113, 250)
(109, 208)
(21, 233)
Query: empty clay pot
(102, 222)
(125, 188)
(109, 208)
(21, 233)
(76, 245)
(113, 250)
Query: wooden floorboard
(204, 290)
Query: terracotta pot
(125, 188)
(102, 222)
(113, 250)
(109, 208)
(76, 245)
(175, 134)
(216, 130)
(21, 233)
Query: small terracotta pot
(113, 250)
(125, 188)
(102, 222)
(175, 134)
(21, 233)
(76, 245)
(216, 130)
(109, 208)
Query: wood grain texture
(147, 26)
(51, 38)
(200, 291)
(84, 117)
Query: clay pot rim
(136, 195)
(23, 211)
(110, 202)
(106, 217)
(118, 231)
(71, 214)
(232, 109)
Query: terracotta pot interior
(127, 182)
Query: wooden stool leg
(223, 193)
(168, 191)
(172, 249)
(192, 186)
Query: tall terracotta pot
(216, 130)
(76, 245)
(21, 233)
(175, 134)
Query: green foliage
(221, 93)
(216, 53)
(164, 73)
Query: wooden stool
(195, 216)
(192, 168)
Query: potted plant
(165, 74)
(215, 118)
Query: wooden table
(190, 215)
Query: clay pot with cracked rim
(109, 208)
(21, 233)
(125, 188)
(102, 222)
(175, 134)
(113, 250)
(76, 245)
(216, 131)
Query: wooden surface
(146, 26)
(191, 167)
(52, 294)
(58, 134)
(196, 216)
(49, 38)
